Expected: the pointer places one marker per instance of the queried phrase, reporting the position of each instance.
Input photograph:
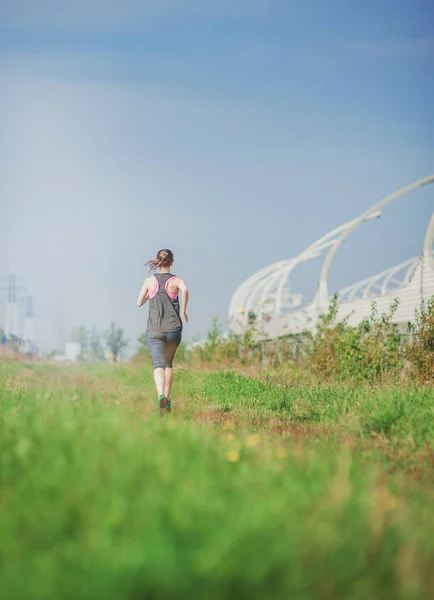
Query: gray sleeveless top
(163, 307)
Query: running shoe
(164, 404)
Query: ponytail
(164, 258)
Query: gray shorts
(162, 347)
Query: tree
(80, 335)
(115, 340)
(142, 339)
(95, 344)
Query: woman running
(164, 330)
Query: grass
(250, 489)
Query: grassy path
(249, 490)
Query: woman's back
(163, 305)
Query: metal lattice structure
(267, 296)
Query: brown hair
(164, 259)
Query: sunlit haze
(234, 133)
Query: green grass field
(250, 489)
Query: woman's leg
(168, 380)
(155, 342)
(172, 343)
(160, 380)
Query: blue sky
(235, 133)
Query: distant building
(72, 351)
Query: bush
(219, 350)
(373, 350)
(369, 351)
(420, 352)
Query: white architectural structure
(12, 317)
(267, 295)
(72, 351)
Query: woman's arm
(184, 299)
(144, 294)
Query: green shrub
(420, 352)
(218, 350)
(369, 351)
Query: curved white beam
(390, 277)
(285, 279)
(429, 236)
(429, 243)
(244, 295)
(392, 272)
(271, 281)
(411, 270)
(269, 286)
(376, 280)
(322, 296)
(242, 289)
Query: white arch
(269, 284)
(429, 237)
(322, 296)
(280, 271)
(347, 294)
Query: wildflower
(298, 450)
(253, 440)
(280, 452)
(233, 456)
